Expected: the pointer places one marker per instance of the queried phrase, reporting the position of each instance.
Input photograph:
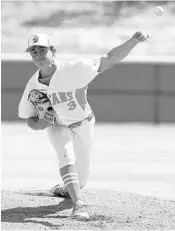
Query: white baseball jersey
(67, 91)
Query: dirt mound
(38, 210)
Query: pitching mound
(38, 210)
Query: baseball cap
(39, 39)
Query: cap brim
(29, 48)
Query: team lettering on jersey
(62, 97)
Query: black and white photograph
(87, 115)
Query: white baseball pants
(74, 146)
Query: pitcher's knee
(66, 155)
(66, 161)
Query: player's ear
(53, 49)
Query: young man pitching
(55, 100)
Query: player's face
(41, 55)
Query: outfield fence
(135, 90)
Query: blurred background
(131, 153)
(140, 89)
(88, 27)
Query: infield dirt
(39, 210)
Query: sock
(72, 185)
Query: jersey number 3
(72, 105)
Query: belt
(77, 124)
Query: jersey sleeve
(80, 73)
(93, 64)
(89, 70)
(26, 108)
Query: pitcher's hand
(141, 36)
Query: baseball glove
(42, 105)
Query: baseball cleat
(79, 212)
(60, 191)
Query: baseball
(158, 10)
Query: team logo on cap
(35, 38)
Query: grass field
(133, 158)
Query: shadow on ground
(30, 214)
(111, 211)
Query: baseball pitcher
(55, 99)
